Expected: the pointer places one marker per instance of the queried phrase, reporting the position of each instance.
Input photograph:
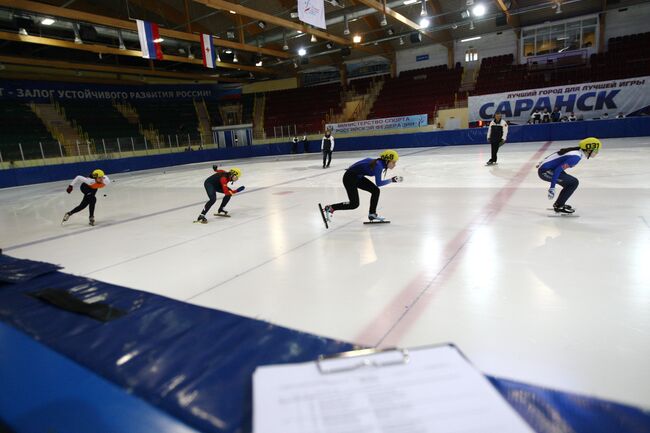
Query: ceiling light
(423, 12)
(218, 57)
(346, 30)
(424, 23)
(313, 39)
(259, 63)
(471, 25)
(261, 25)
(230, 34)
(121, 40)
(285, 47)
(356, 39)
(47, 21)
(233, 12)
(465, 14)
(158, 40)
(302, 52)
(558, 9)
(294, 15)
(390, 31)
(479, 10)
(329, 45)
(190, 55)
(454, 26)
(23, 32)
(475, 38)
(401, 41)
(410, 2)
(469, 2)
(299, 32)
(235, 59)
(295, 64)
(383, 21)
(228, 51)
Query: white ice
(471, 256)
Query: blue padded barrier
(17, 270)
(193, 363)
(629, 127)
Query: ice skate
(222, 213)
(66, 217)
(326, 214)
(201, 219)
(490, 162)
(563, 211)
(91, 221)
(373, 218)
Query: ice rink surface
(471, 256)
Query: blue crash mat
(17, 270)
(196, 364)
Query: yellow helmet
(591, 145)
(389, 155)
(235, 172)
(98, 173)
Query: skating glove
(397, 178)
(240, 189)
(215, 167)
(68, 189)
(551, 193)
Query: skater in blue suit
(355, 179)
(552, 169)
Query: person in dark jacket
(496, 136)
(327, 147)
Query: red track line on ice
(406, 307)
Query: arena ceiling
(266, 30)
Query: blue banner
(46, 91)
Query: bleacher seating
(627, 57)
(418, 91)
(102, 121)
(20, 125)
(168, 118)
(305, 107)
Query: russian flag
(209, 54)
(149, 40)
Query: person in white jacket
(89, 187)
(496, 136)
(327, 147)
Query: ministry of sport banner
(591, 100)
(377, 124)
(312, 12)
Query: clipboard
(425, 389)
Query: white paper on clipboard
(425, 390)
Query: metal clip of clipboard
(365, 362)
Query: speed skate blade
(377, 222)
(222, 215)
(322, 214)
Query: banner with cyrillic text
(47, 91)
(401, 122)
(587, 100)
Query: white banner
(312, 12)
(586, 100)
(376, 124)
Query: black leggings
(327, 156)
(568, 182)
(212, 195)
(88, 200)
(495, 149)
(353, 184)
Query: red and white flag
(209, 53)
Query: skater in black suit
(497, 135)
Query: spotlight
(235, 59)
(454, 26)
(158, 40)
(233, 12)
(302, 52)
(356, 39)
(390, 31)
(295, 64)
(471, 25)
(285, 47)
(77, 38)
(383, 21)
(423, 12)
(401, 41)
(313, 39)
(47, 21)
(424, 23)
(479, 10)
(121, 39)
(465, 14)
(259, 63)
(261, 25)
(329, 45)
(230, 34)
(346, 30)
